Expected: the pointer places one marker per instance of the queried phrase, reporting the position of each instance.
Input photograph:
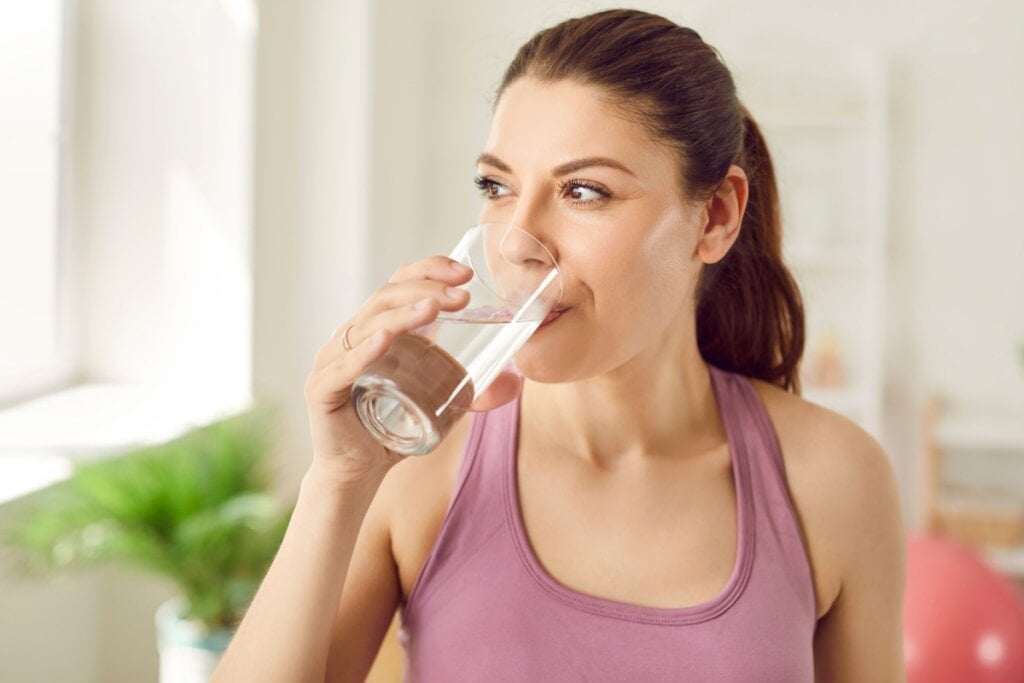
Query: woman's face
(607, 202)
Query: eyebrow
(564, 169)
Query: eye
(579, 191)
(583, 191)
(490, 189)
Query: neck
(658, 404)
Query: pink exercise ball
(963, 622)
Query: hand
(413, 297)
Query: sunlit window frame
(61, 368)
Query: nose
(533, 217)
(525, 272)
(521, 247)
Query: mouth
(553, 316)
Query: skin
(617, 435)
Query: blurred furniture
(981, 501)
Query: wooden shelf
(945, 430)
(1009, 561)
(980, 432)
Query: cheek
(650, 301)
(668, 253)
(631, 279)
(667, 267)
(635, 290)
(651, 274)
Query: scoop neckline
(704, 611)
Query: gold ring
(344, 338)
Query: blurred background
(195, 193)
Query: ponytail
(750, 316)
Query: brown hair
(750, 316)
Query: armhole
(467, 459)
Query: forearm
(285, 634)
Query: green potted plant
(197, 511)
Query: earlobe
(724, 216)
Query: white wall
(164, 145)
(48, 629)
(162, 197)
(312, 197)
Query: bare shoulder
(843, 488)
(414, 498)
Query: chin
(544, 365)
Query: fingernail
(423, 304)
(458, 266)
(452, 292)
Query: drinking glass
(411, 396)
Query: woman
(650, 499)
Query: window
(33, 283)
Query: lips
(553, 315)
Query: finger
(396, 322)
(341, 329)
(331, 384)
(396, 294)
(433, 268)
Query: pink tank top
(484, 609)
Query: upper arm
(861, 636)
(370, 596)
(394, 540)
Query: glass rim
(554, 262)
(480, 227)
(553, 272)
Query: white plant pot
(188, 653)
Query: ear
(724, 216)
